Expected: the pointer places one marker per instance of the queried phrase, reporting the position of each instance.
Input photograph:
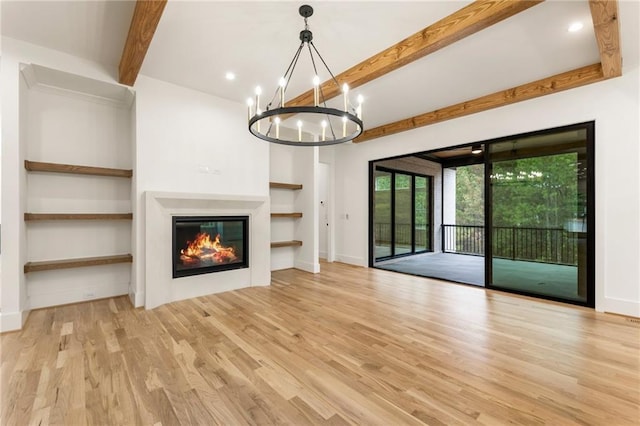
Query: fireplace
(205, 244)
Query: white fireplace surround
(160, 207)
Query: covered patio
(534, 277)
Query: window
(401, 213)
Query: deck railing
(548, 245)
(382, 232)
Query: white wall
(298, 165)
(305, 170)
(326, 158)
(14, 307)
(323, 210)
(281, 158)
(72, 127)
(448, 190)
(191, 142)
(184, 141)
(613, 105)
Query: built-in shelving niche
(78, 215)
(285, 215)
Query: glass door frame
(372, 239)
(590, 266)
(591, 211)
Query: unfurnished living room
(328, 212)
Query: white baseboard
(136, 298)
(74, 295)
(352, 260)
(12, 321)
(313, 267)
(623, 307)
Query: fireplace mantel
(159, 286)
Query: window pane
(382, 214)
(421, 202)
(539, 219)
(403, 214)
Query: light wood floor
(348, 346)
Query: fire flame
(203, 249)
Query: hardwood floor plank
(347, 346)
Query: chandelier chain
(287, 78)
(315, 70)
(333, 77)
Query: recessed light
(230, 76)
(476, 149)
(576, 26)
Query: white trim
(622, 307)
(314, 267)
(39, 300)
(49, 80)
(12, 321)
(351, 260)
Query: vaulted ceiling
(415, 63)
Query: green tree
(539, 192)
(470, 195)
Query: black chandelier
(307, 125)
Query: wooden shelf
(76, 263)
(77, 216)
(293, 243)
(36, 166)
(295, 215)
(280, 185)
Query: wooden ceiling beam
(469, 20)
(604, 14)
(146, 17)
(546, 86)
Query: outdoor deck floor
(534, 277)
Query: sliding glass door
(401, 213)
(539, 203)
(523, 206)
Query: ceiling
(197, 42)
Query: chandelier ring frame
(302, 110)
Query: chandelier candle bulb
(345, 91)
(249, 105)
(344, 127)
(299, 131)
(258, 112)
(258, 93)
(277, 127)
(316, 96)
(324, 130)
(283, 83)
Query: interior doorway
(325, 213)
